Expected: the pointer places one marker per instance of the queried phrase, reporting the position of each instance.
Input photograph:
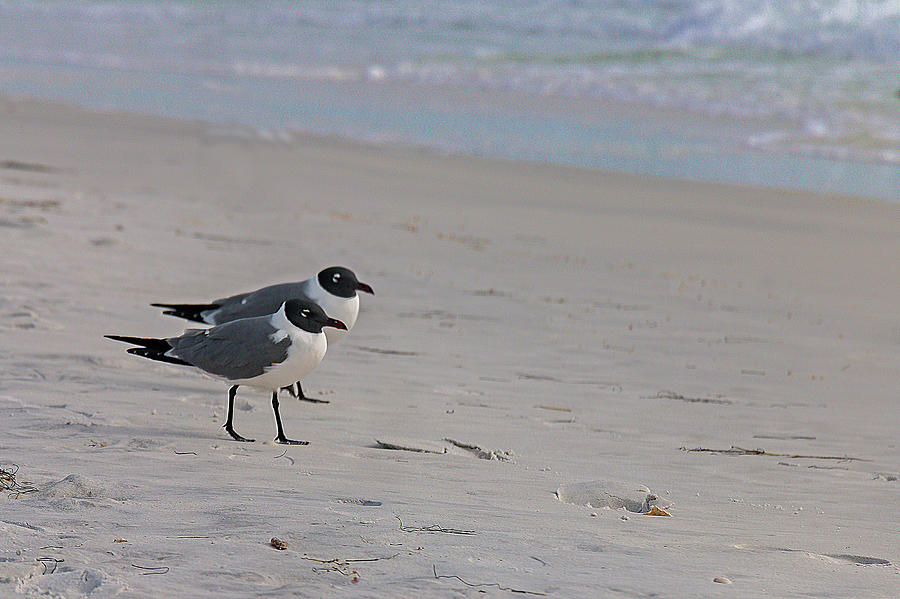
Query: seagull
(333, 289)
(265, 352)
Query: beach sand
(576, 326)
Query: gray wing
(241, 349)
(261, 302)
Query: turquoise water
(795, 94)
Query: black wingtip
(148, 347)
(126, 339)
(192, 312)
(153, 354)
(158, 345)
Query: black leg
(281, 438)
(302, 397)
(229, 428)
(298, 393)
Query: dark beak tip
(364, 287)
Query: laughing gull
(265, 352)
(334, 289)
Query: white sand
(584, 325)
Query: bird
(334, 289)
(264, 352)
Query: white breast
(303, 355)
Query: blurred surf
(792, 93)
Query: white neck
(280, 320)
(345, 309)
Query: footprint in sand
(55, 579)
(613, 495)
(78, 486)
(846, 558)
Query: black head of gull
(341, 282)
(309, 316)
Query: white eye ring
(336, 277)
(305, 313)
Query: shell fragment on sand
(278, 544)
(655, 511)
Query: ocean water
(793, 93)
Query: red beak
(333, 322)
(364, 287)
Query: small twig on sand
(486, 584)
(337, 560)
(152, 569)
(8, 477)
(735, 450)
(680, 397)
(52, 560)
(185, 452)
(283, 455)
(433, 528)
(342, 566)
(8, 482)
(373, 559)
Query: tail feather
(154, 349)
(192, 312)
